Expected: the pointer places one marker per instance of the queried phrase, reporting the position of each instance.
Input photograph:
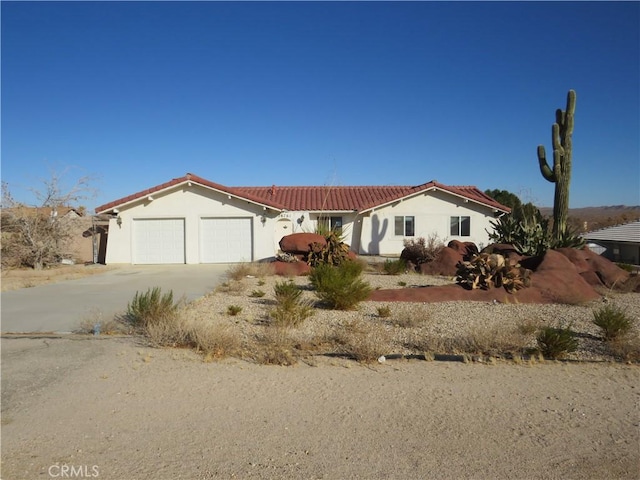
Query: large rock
(300, 242)
(291, 269)
(594, 268)
(444, 263)
(554, 279)
(466, 249)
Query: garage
(226, 240)
(158, 241)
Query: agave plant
(335, 252)
(486, 271)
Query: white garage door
(158, 240)
(225, 240)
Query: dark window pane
(455, 226)
(465, 229)
(399, 226)
(409, 226)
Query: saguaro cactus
(561, 133)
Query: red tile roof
(325, 198)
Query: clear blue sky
(325, 93)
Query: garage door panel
(226, 240)
(158, 241)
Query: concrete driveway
(62, 307)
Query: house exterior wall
(372, 233)
(192, 203)
(432, 211)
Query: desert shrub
(384, 311)
(232, 287)
(626, 348)
(612, 321)
(341, 287)
(239, 271)
(410, 318)
(362, 341)
(151, 307)
(214, 341)
(402, 284)
(394, 267)
(291, 309)
(274, 347)
(421, 250)
(257, 294)
(234, 310)
(555, 342)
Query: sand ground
(112, 408)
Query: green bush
(613, 322)
(555, 342)
(394, 267)
(291, 310)
(340, 287)
(151, 307)
(257, 294)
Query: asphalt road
(63, 306)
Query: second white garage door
(225, 240)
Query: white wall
(191, 203)
(432, 211)
(371, 234)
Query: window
(460, 226)
(405, 226)
(333, 224)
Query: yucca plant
(554, 342)
(613, 322)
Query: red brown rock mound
(559, 276)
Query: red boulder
(300, 242)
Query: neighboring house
(620, 243)
(84, 246)
(193, 220)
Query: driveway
(63, 306)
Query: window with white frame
(405, 226)
(460, 227)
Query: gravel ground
(413, 328)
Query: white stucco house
(193, 220)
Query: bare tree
(38, 236)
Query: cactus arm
(547, 173)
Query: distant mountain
(587, 219)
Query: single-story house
(620, 243)
(193, 220)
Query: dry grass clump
(240, 271)
(274, 346)
(364, 341)
(626, 348)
